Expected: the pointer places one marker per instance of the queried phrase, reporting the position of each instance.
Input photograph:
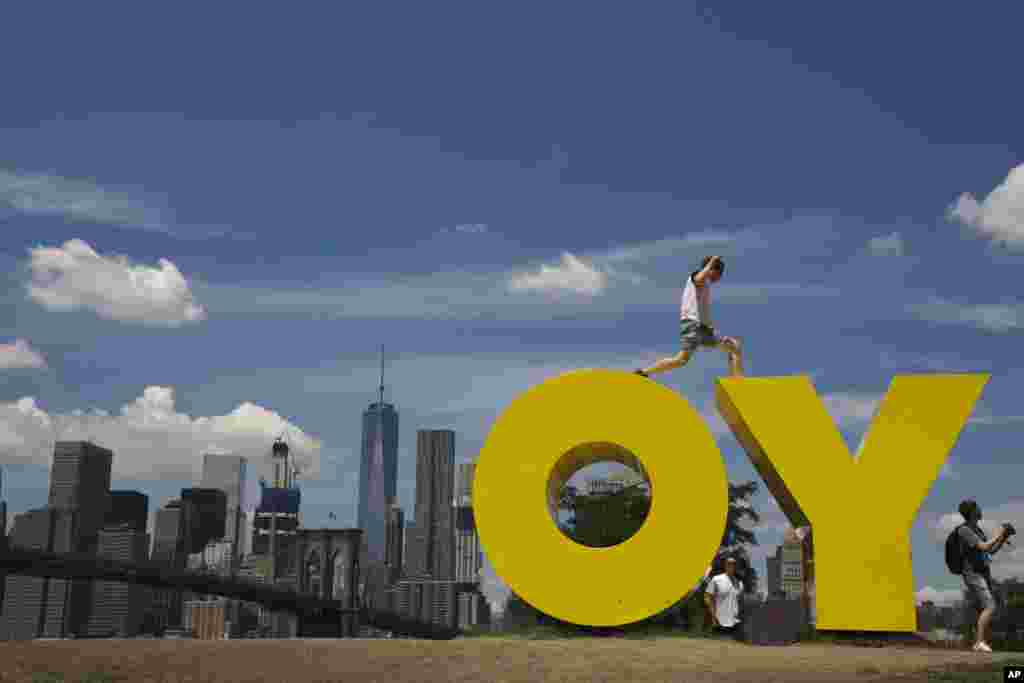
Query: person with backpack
(969, 554)
(695, 328)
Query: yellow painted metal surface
(861, 507)
(567, 422)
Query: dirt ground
(483, 659)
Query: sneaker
(982, 647)
(640, 372)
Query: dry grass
(472, 659)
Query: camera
(1010, 531)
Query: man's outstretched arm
(705, 272)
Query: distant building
(597, 487)
(773, 579)
(473, 610)
(792, 565)
(227, 473)
(3, 510)
(79, 501)
(80, 481)
(472, 607)
(378, 477)
(3, 536)
(469, 559)
(429, 593)
(393, 558)
(204, 513)
(168, 542)
(37, 607)
(128, 507)
(275, 525)
(427, 600)
(118, 608)
(168, 549)
(432, 551)
(206, 619)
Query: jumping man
(695, 328)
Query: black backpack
(954, 551)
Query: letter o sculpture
(552, 430)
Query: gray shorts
(692, 335)
(980, 590)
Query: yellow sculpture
(558, 427)
(861, 507)
(864, 577)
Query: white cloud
(20, 355)
(151, 439)
(674, 247)
(570, 274)
(467, 228)
(850, 409)
(80, 199)
(515, 294)
(1000, 216)
(886, 245)
(74, 276)
(996, 419)
(941, 597)
(991, 317)
(912, 362)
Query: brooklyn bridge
(317, 617)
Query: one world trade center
(378, 473)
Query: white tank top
(696, 304)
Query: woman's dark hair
(967, 508)
(719, 266)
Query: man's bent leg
(666, 364)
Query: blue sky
(210, 221)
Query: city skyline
(187, 527)
(198, 254)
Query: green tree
(737, 539)
(604, 520)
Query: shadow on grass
(565, 631)
(59, 678)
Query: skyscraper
(3, 536)
(80, 482)
(168, 549)
(128, 507)
(276, 521)
(3, 511)
(395, 535)
(168, 543)
(378, 474)
(468, 554)
(227, 473)
(36, 607)
(428, 592)
(472, 607)
(118, 607)
(433, 552)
